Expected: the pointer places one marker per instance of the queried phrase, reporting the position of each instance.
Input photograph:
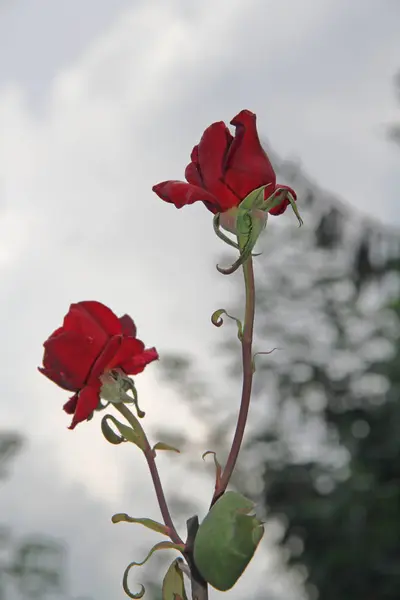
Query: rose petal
(193, 176)
(247, 166)
(70, 406)
(87, 402)
(127, 350)
(181, 194)
(192, 171)
(106, 360)
(128, 326)
(137, 363)
(72, 356)
(59, 378)
(93, 319)
(280, 209)
(212, 151)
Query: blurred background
(99, 100)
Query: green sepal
(159, 546)
(220, 234)
(276, 199)
(173, 587)
(216, 319)
(135, 436)
(255, 199)
(149, 523)
(250, 222)
(226, 540)
(164, 446)
(115, 387)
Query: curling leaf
(129, 433)
(149, 523)
(164, 446)
(159, 546)
(109, 433)
(216, 319)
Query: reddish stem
(150, 458)
(247, 362)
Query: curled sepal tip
(164, 446)
(253, 362)
(217, 320)
(173, 587)
(132, 434)
(159, 546)
(149, 523)
(218, 468)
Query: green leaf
(173, 587)
(163, 446)
(226, 540)
(159, 546)
(149, 523)
(128, 432)
(109, 433)
(216, 319)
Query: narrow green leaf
(109, 433)
(163, 446)
(159, 546)
(135, 437)
(149, 523)
(173, 587)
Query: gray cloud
(120, 108)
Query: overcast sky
(99, 100)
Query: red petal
(60, 378)
(280, 209)
(127, 350)
(106, 360)
(181, 194)
(192, 171)
(247, 166)
(128, 326)
(70, 406)
(71, 356)
(137, 363)
(212, 151)
(87, 402)
(192, 175)
(93, 319)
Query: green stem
(150, 458)
(247, 343)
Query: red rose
(225, 169)
(91, 341)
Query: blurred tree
(325, 418)
(33, 567)
(326, 409)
